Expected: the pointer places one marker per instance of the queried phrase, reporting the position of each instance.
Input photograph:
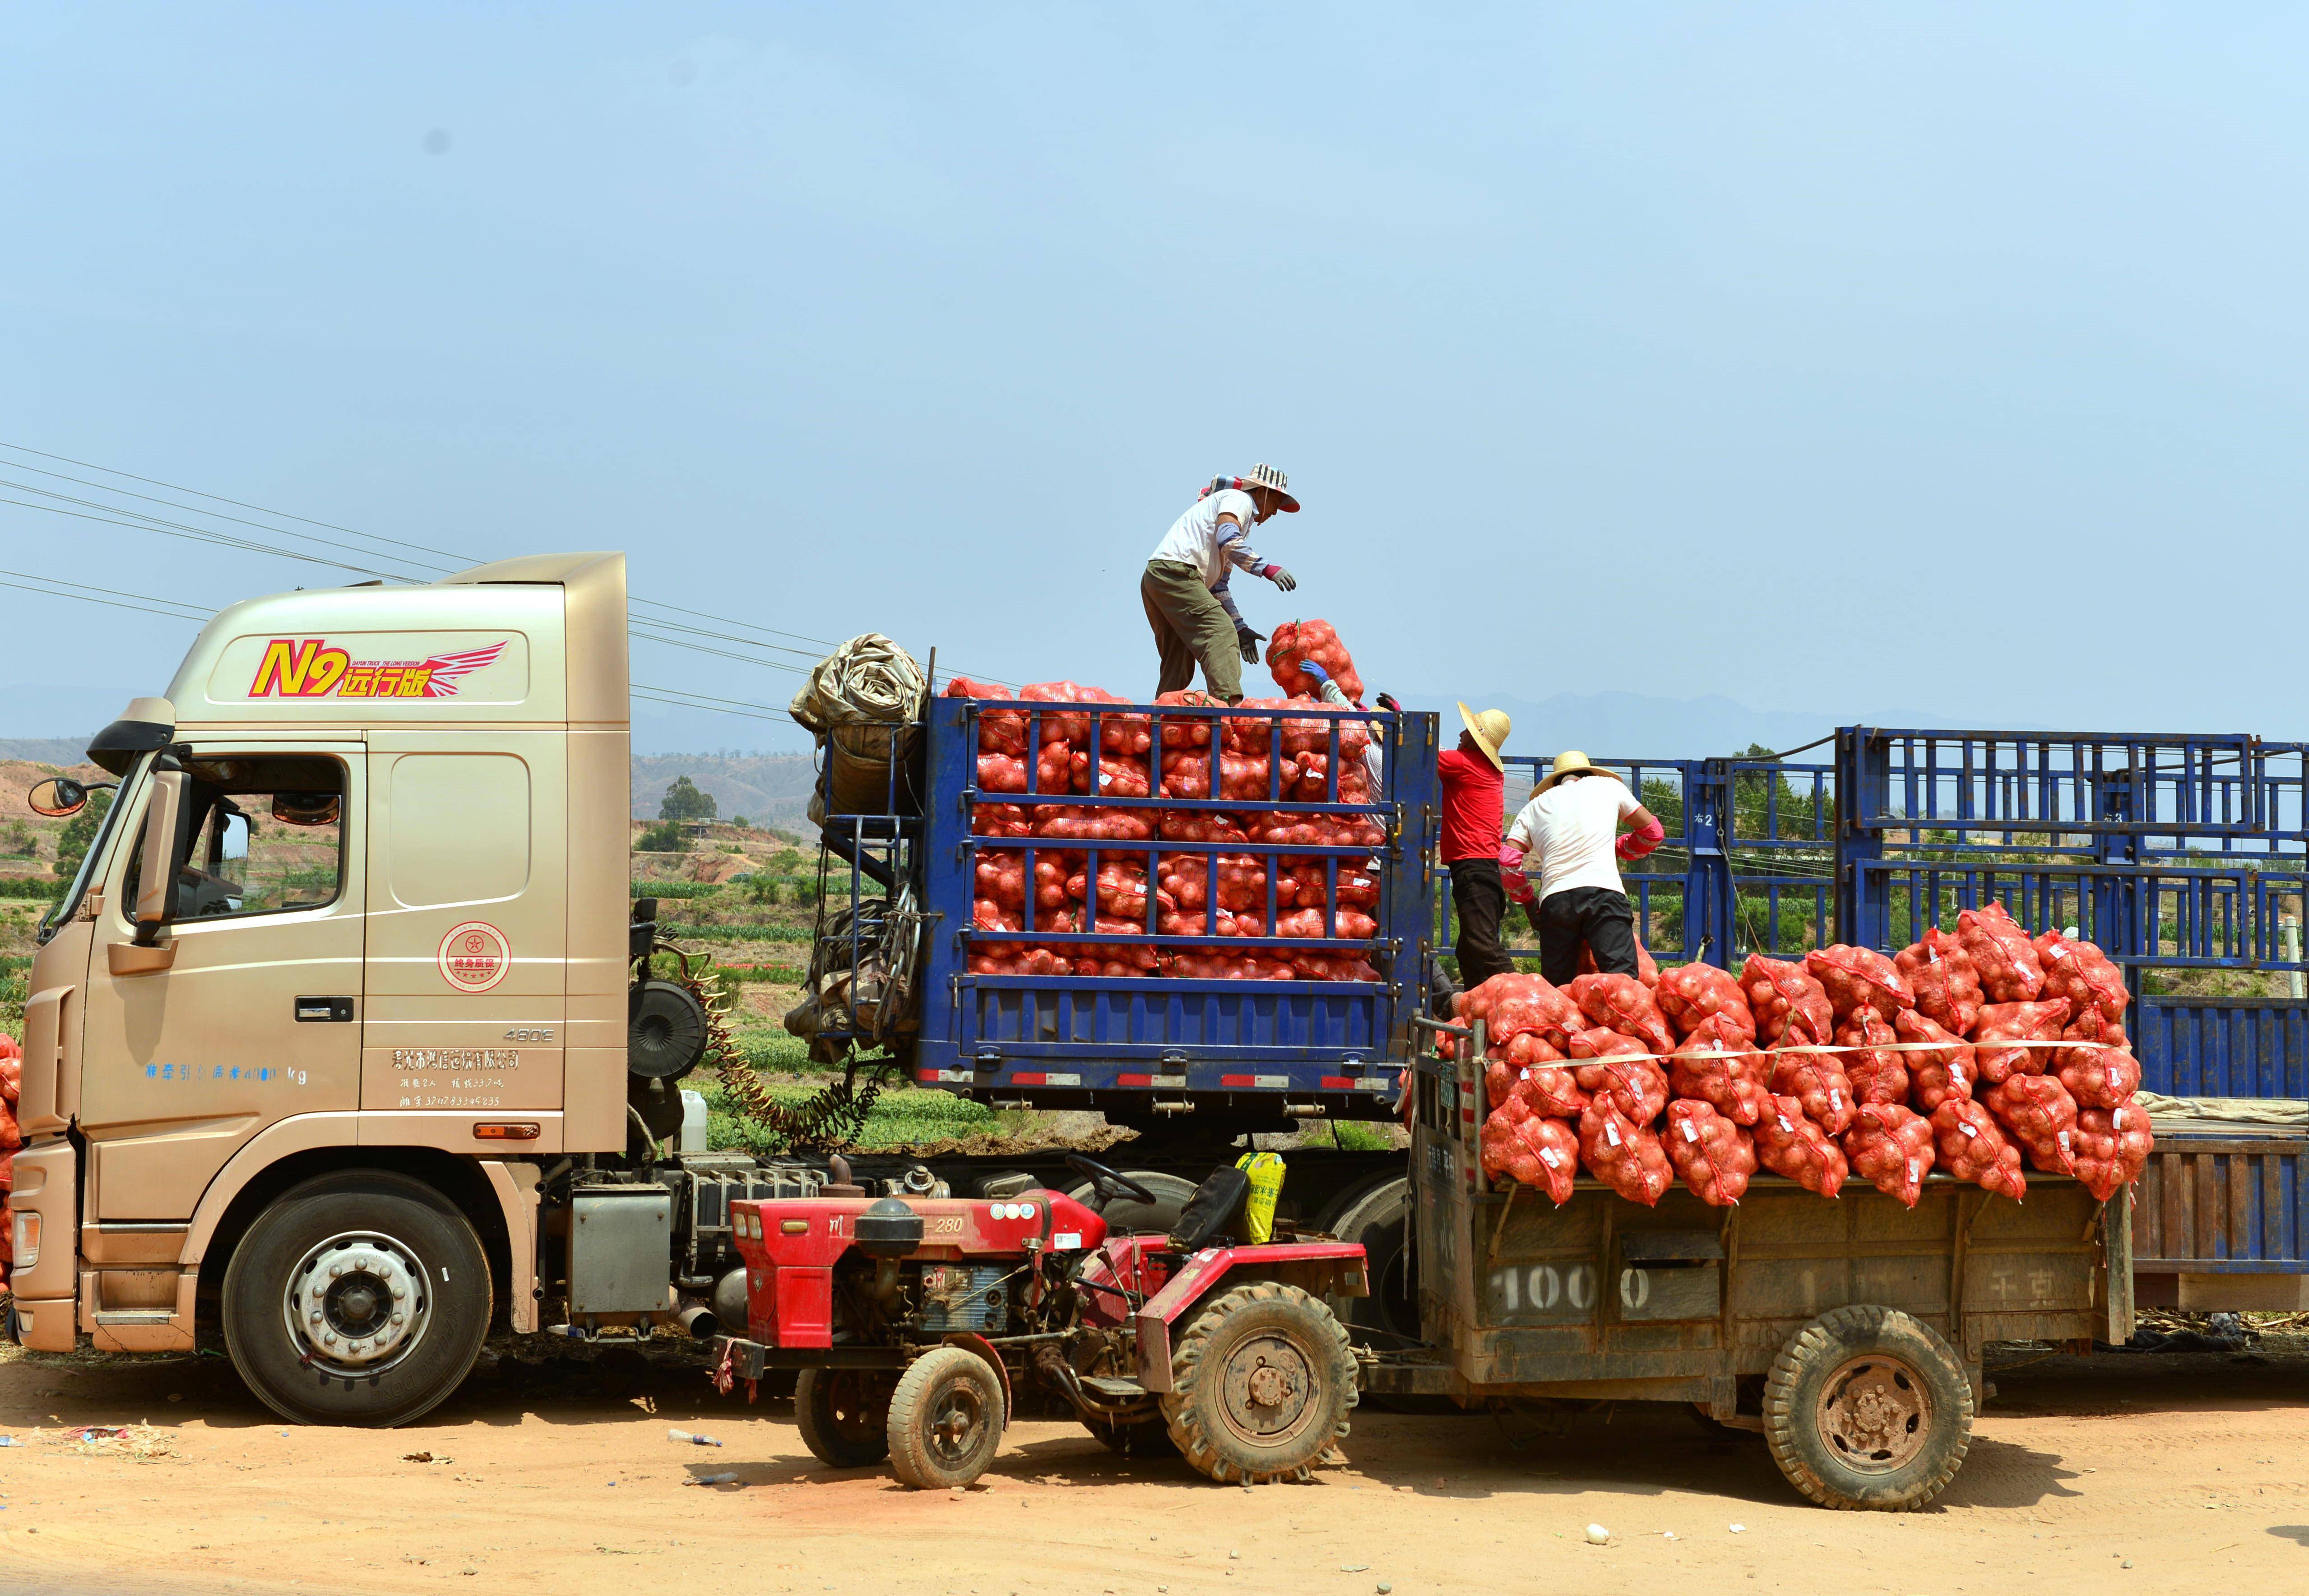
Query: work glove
(1279, 577)
(1249, 641)
(1387, 702)
(1314, 673)
(1635, 845)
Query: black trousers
(1478, 899)
(1593, 917)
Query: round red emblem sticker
(475, 957)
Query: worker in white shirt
(1569, 836)
(1185, 588)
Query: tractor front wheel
(946, 1419)
(842, 1415)
(1262, 1383)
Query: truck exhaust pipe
(699, 1321)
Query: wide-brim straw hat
(1489, 729)
(1570, 762)
(1263, 475)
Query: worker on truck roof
(1569, 832)
(1474, 797)
(1185, 588)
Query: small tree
(684, 802)
(742, 822)
(18, 841)
(664, 837)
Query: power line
(197, 610)
(195, 510)
(144, 521)
(768, 664)
(198, 493)
(192, 533)
(88, 598)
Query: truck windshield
(98, 835)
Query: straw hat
(1263, 475)
(1570, 762)
(1489, 729)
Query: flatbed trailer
(1850, 1332)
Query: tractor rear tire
(946, 1419)
(843, 1415)
(1868, 1408)
(1262, 1383)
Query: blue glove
(1315, 672)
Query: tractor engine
(896, 1271)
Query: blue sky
(1831, 357)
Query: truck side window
(266, 834)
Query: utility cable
(144, 521)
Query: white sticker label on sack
(1786, 1129)
(1835, 1099)
(1527, 1072)
(1931, 954)
(1955, 1076)
(1610, 1133)
(1547, 1156)
(2064, 1144)
(1965, 1126)
(1912, 1169)
(2116, 1119)
(1691, 1132)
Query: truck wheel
(1128, 1213)
(1377, 1214)
(360, 1299)
(946, 1419)
(1262, 1383)
(1868, 1408)
(843, 1415)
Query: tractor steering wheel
(1106, 1185)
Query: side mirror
(57, 797)
(156, 869)
(305, 809)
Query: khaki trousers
(1191, 628)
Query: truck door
(463, 1039)
(255, 1017)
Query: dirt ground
(2133, 1473)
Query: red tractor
(913, 1319)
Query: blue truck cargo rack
(1138, 1046)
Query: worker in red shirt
(1475, 802)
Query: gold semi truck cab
(350, 943)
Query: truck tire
(947, 1419)
(357, 1298)
(1128, 1213)
(1377, 1213)
(1868, 1408)
(844, 1414)
(1262, 1383)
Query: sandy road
(2193, 1472)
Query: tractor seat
(1210, 1213)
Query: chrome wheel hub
(357, 1303)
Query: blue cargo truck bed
(1149, 1047)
